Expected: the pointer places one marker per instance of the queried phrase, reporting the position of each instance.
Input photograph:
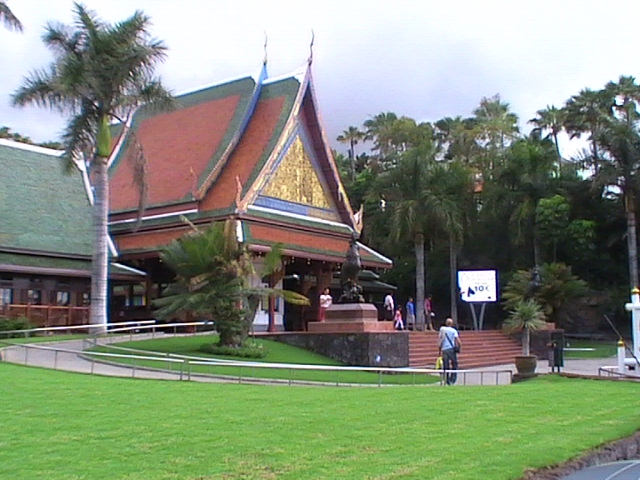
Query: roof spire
(264, 62)
(313, 36)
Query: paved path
(67, 356)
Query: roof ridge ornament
(313, 37)
(264, 61)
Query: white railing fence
(145, 364)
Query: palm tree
(453, 182)
(413, 191)
(351, 136)
(526, 316)
(9, 19)
(619, 137)
(378, 129)
(552, 119)
(584, 114)
(212, 281)
(496, 126)
(101, 73)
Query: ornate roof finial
(264, 62)
(313, 37)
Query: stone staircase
(479, 349)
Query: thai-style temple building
(46, 239)
(250, 149)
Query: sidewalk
(73, 361)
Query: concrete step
(479, 349)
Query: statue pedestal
(350, 318)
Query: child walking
(398, 324)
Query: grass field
(277, 353)
(58, 425)
(593, 349)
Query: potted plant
(526, 316)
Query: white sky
(423, 59)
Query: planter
(526, 365)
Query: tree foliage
(212, 281)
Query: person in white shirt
(389, 307)
(325, 302)
(448, 348)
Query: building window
(62, 298)
(34, 297)
(6, 296)
(85, 299)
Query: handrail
(27, 331)
(186, 363)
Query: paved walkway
(67, 356)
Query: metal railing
(614, 372)
(180, 367)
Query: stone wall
(359, 349)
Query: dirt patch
(625, 449)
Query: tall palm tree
(551, 119)
(585, 114)
(377, 130)
(100, 73)
(9, 19)
(351, 136)
(453, 183)
(418, 208)
(619, 137)
(496, 126)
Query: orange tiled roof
(313, 245)
(181, 147)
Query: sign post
(478, 286)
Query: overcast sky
(423, 59)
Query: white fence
(74, 356)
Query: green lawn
(64, 426)
(596, 349)
(278, 353)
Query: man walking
(448, 348)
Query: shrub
(7, 324)
(247, 350)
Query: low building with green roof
(46, 238)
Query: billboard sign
(478, 286)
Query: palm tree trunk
(420, 281)
(555, 140)
(352, 160)
(526, 340)
(100, 261)
(632, 245)
(453, 280)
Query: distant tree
(101, 73)
(619, 137)
(552, 221)
(496, 128)
(559, 286)
(585, 114)
(351, 136)
(378, 130)
(551, 119)
(8, 18)
(418, 206)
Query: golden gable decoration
(295, 179)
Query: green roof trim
(44, 265)
(42, 207)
